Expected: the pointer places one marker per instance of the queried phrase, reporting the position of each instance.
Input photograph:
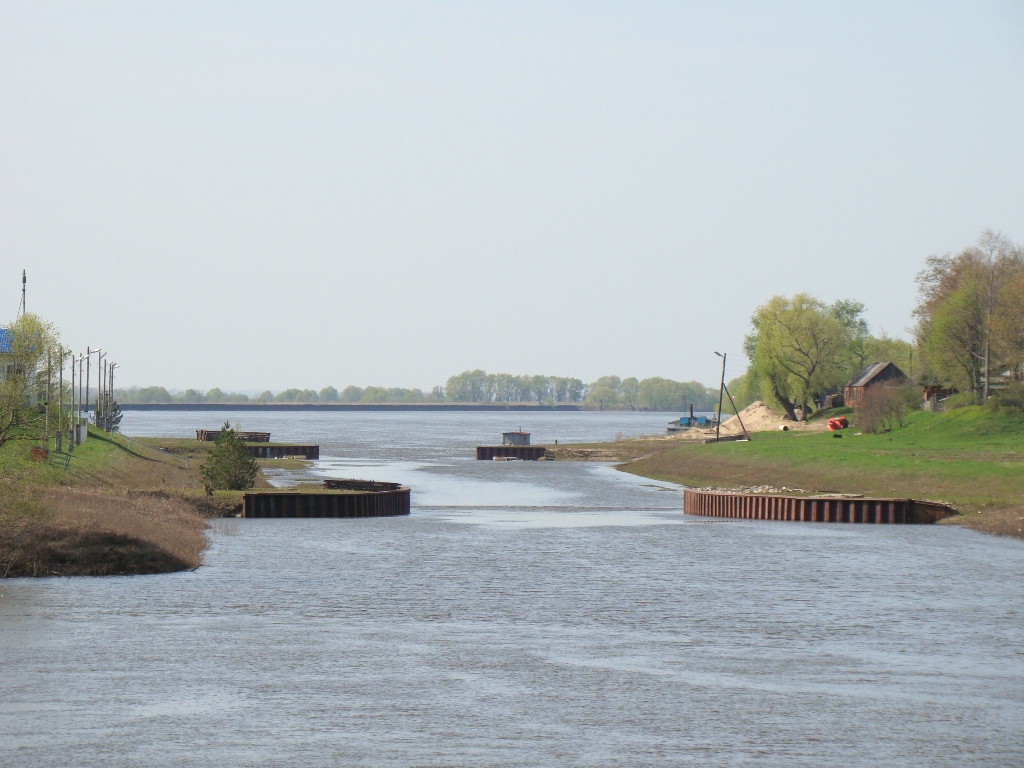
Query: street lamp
(110, 394)
(89, 352)
(74, 436)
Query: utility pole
(721, 395)
(88, 358)
(89, 352)
(46, 402)
(24, 280)
(78, 418)
(101, 374)
(110, 400)
(101, 389)
(58, 442)
(72, 416)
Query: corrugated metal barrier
(812, 509)
(311, 452)
(524, 452)
(366, 504)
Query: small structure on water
(684, 423)
(514, 445)
(515, 438)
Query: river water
(525, 614)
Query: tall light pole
(88, 357)
(78, 417)
(721, 394)
(58, 442)
(101, 388)
(110, 393)
(101, 375)
(89, 352)
(46, 403)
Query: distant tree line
(969, 338)
(607, 393)
(351, 394)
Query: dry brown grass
(1003, 521)
(91, 532)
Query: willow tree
(802, 347)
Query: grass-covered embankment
(972, 458)
(114, 511)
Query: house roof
(6, 338)
(869, 372)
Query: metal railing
(61, 459)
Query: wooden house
(874, 375)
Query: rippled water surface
(525, 614)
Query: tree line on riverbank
(968, 337)
(477, 386)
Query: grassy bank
(114, 511)
(971, 458)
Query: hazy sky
(274, 194)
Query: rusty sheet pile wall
(812, 509)
(311, 452)
(368, 504)
(340, 484)
(524, 452)
(211, 435)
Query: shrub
(228, 465)
(960, 400)
(1009, 399)
(883, 409)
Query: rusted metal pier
(812, 509)
(327, 503)
(211, 435)
(270, 451)
(522, 452)
(336, 484)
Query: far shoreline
(463, 407)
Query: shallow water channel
(525, 614)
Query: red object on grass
(834, 425)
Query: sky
(295, 194)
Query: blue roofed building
(7, 365)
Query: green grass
(17, 469)
(972, 458)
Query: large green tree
(970, 316)
(801, 347)
(31, 361)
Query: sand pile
(757, 417)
